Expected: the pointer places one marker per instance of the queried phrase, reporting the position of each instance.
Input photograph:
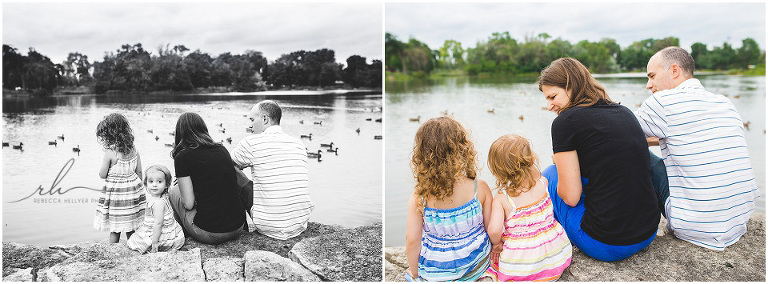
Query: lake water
(469, 99)
(346, 188)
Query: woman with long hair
(207, 199)
(600, 184)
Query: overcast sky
(56, 29)
(708, 23)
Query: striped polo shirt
(712, 188)
(281, 203)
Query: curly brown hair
(114, 133)
(513, 163)
(442, 152)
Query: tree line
(134, 69)
(501, 53)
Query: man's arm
(652, 120)
(240, 156)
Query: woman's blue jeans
(570, 218)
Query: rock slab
(666, 259)
(179, 266)
(263, 266)
(21, 256)
(256, 241)
(21, 275)
(671, 259)
(224, 269)
(347, 255)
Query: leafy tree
(13, 67)
(39, 73)
(394, 53)
(748, 54)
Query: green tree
(748, 54)
(394, 52)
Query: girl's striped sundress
(454, 246)
(171, 235)
(122, 203)
(536, 247)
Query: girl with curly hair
(122, 202)
(450, 207)
(528, 243)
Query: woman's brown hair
(513, 163)
(191, 132)
(571, 75)
(442, 152)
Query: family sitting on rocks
(211, 197)
(604, 192)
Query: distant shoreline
(304, 91)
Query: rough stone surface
(393, 272)
(256, 241)
(223, 269)
(671, 259)
(666, 259)
(268, 266)
(179, 266)
(21, 275)
(395, 265)
(21, 256)
(92, 251)
(100, 261)
(347, 255)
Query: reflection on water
(517, 105)
(346, 188)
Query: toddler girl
(533, 246)
(160, 231)
(122, 201)
(449, 209)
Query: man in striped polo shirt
(281, 203)
(705, 182)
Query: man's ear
(676, 71)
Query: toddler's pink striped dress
(536, 247)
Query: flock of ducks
(330, 146)
(55, 143)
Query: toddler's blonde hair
(513, 163)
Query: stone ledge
(92, 261)
(666, 259)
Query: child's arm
(138, 165)
(413, 231)
(496, 226)
(158, 211)
(485, 197)
(106, 163)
